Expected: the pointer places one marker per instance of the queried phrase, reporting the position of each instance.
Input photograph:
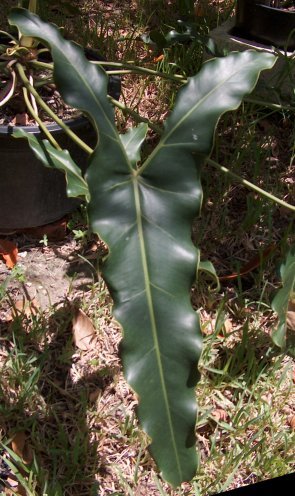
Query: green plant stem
(119, 72)
(143, 70)
(43, 82)
(121, 106)
(41, 65)
(126, 110)
(51, 114)
(249, 185)
(135, 115)
(274, 106)
(124, 68)
(39, 121)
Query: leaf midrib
(152, 317)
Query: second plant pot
(255, 20)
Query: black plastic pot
(259, 22)
(31, 194)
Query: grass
(73, 407)
(246, 393)
(78, 414)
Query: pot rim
(7, 129)
(275, 9)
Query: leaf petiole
(250, 185)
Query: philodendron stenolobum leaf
(144, 214)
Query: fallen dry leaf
(18, 490)
(83, 331)
(56, 231)
(291, 315)
(22, 306)
(18, 443)
(14, 489)
(255, 262)
(9, 252)
(12, 481)
(94, 247)
(21, 447)
(220, 414)
(227, 326)
(209, 327)
(292, 422)
(267, 398)
(94, 395)
(8, 492)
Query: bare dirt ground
(50, 273)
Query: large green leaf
(281, 300)
(145, 215)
